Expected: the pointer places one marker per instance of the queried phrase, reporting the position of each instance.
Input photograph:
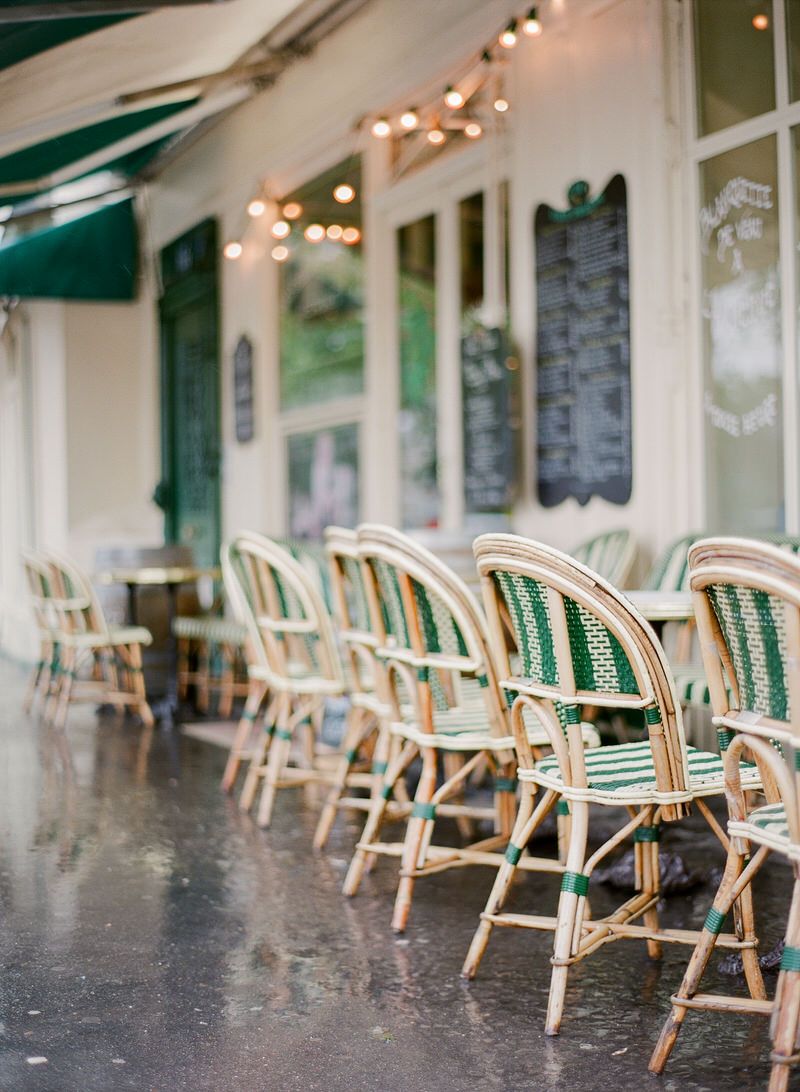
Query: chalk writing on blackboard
(243, 389)
(487, 424)
(583, 386)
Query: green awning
(93, 257)
(43, 159)
(18, 41)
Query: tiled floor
(153, 938)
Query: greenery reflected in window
(322, 296)
(734, 61)
(323, 480)
(470, 216)
(417, 317)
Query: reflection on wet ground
(153, 938)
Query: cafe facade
(577, 316)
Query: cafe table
(662, 606)
(169, 577)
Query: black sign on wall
(583, 385)
(487, 424)
(243, 389)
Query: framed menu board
(243, 389)
(486, 416)
(583, 385)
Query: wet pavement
(153, 938)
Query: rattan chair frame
(409, 667)
(774, 744)
(85, 639)
(44, 674)
(253, 565)
(577, 934)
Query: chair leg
(258, 759)
(255, 697)
(452, 762)
(786, 1014)
(35, 682)
(277, 760)
(397, 767)
(67, 677)
(502, 882)
(202, 676)
(225, 699)
(357, 723)
(569, 907)
(140, 703)
(700, 957)
(416, 830)
(182, 667)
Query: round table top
(662, 606)
(157, 575)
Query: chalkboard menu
(583, 395)
(243, 389)
(486, 415)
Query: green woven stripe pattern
(599, 661)
(771, 819)
(670, 571)
(790, 959)
(391, 601)
(526, 600)
(439, 628)
(356, 595)
(628, 765)
(714, 921)
(604, 553)
(575, 882)
(753, 628)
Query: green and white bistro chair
(292, 660)
(446, 704)
(370, 710)
(96, 662)
(747, 605)
(210, 659)
(581, 642)
(611, 554)
(40, 585)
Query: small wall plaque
(243, 389)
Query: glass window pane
(470, 216)
(743, 397)
(323, 480)
(322, 295)
(734, 61)
(416, 244)
(793, 47)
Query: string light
(436, 136)
(232, 250)
(473, 130)
(761, 21)
(453, 98)
(500, 104)
(381, 129)
(532, 27)
(350, 236)
(257, 207)
(280, 229)
(508, 37)
(314, 233)
(334, 232)
(293, 210)
(344, 193)
(280, 253)
(409, 119)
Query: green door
(189, 491)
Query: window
(323, 480)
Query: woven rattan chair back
(314, 559)
(351, 607)
(39, 577)
(74, 599)
(579, 641)
(430, 629)
(610, 554)
(290, 631)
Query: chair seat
(209, 628)
(116, 635)
(624, 773)
(766, 826)
(465, 728)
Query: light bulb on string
(350, 236)
(473, 130)
(761, 21)
(453, 98)
(280, 229)
(508, 37)
(256, 208)
(381, 129)
(232, 250)
(344, 193)
(500, 104)
(532, 27)
(293, 210)
(409, 119)
(334, 232)
(314, 233)
(436, 136)
(280, 253)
